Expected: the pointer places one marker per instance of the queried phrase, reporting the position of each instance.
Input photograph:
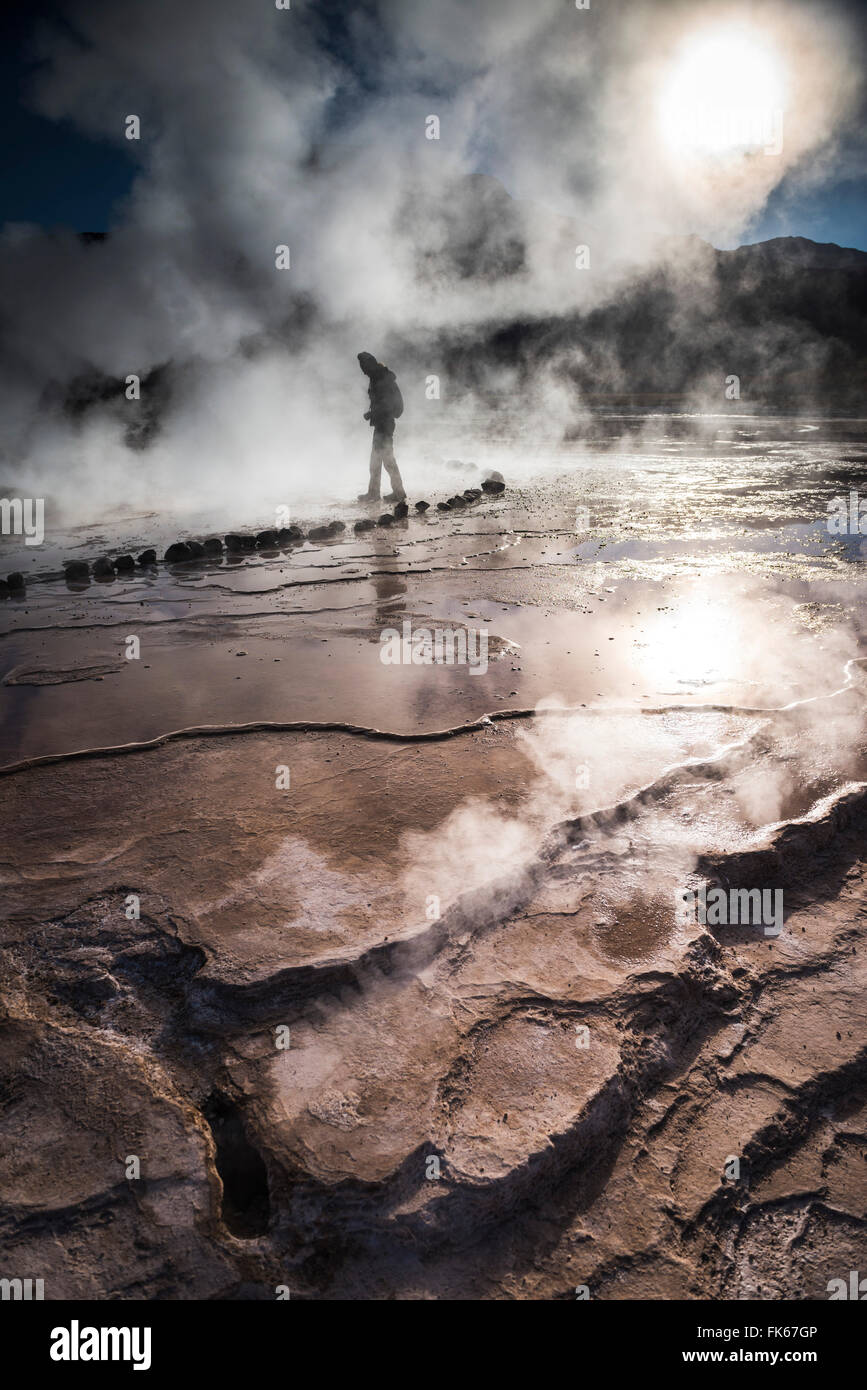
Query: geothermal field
(392, 975)
(433, 677)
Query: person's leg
(375, 464)
(372, 494)
(398, 491)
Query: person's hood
(377, 371)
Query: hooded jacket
(386, 402)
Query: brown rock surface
(455, 1038)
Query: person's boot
(369, 497)
(394, 497)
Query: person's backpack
(395, 399)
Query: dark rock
(234, 543)
(422, 506)
(494, 482)
(401, 510)
(178, 551)
(76, 569)
(148, 557)
(196, 549)
(289, 535)
(366, 525)
(472, 494)
(385, 520)
(124, 562)
(267, 540)
(326, 532)
(15, 580)
(103, 568)
(457, 501)
(4, 589)
(444, 506)
(213, 546)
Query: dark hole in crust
(246, 1202)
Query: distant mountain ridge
(787, 317)
(799, 251)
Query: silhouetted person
(386, 405)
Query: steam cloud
(306, 127)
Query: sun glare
(697, 646)
(724, 95)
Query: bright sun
(724, 95)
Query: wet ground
(637, 577)
(435, 874)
